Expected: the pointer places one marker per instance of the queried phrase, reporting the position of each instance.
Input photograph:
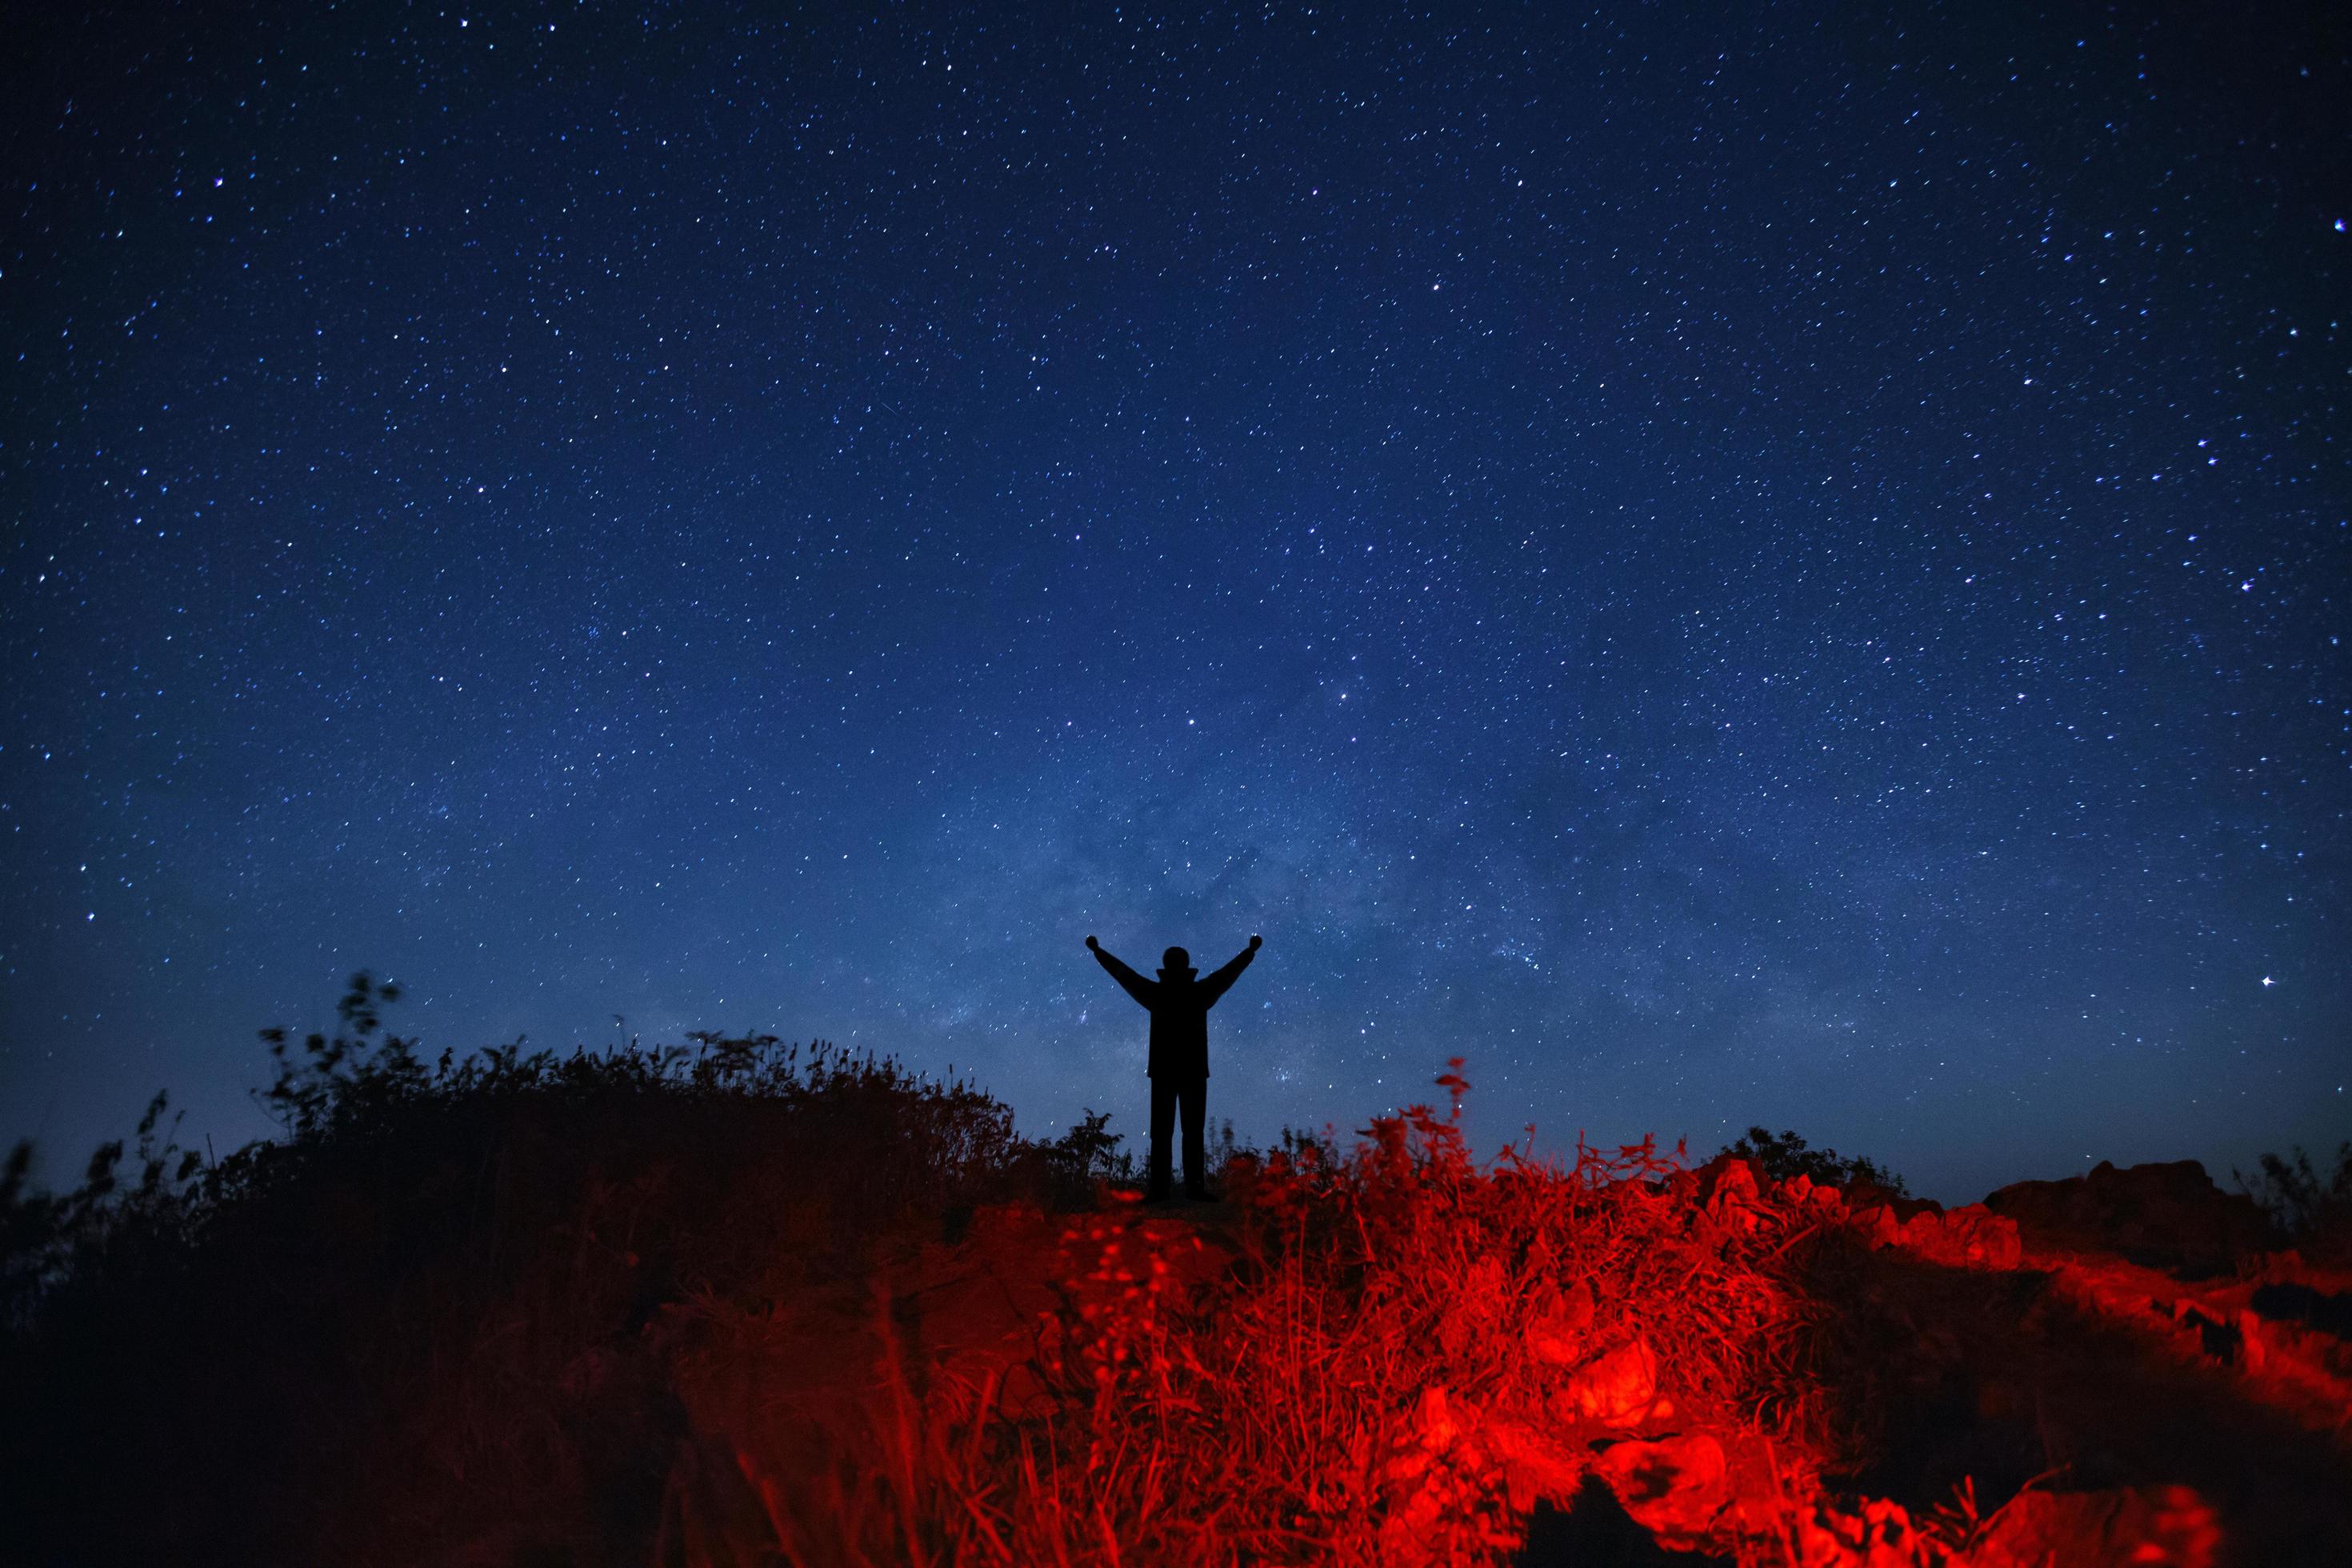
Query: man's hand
(1092, 945)
(1256, 942)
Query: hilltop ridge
(749, 1302)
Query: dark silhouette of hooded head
(1176, 964)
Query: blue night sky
(1728, 564)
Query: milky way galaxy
(1725, 567)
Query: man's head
(1176, 960)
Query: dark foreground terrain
(749, 1304)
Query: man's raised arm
(1134, 984)
(1215, 984)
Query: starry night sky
(1765, 566)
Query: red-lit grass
(1374, 1358)
(748, 1306)
(1394, 1355)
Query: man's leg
(1163, 1117)
(1194, 1097)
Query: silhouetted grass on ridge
(443, 1269)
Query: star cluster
(1726, 566)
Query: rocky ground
(750, 1305)
(2110, 1370)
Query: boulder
(1535, 1465)
(1876, 1533)
(1674, 1488)
(1555, 1332)
(1618, 1388)
(2123, 1529)
(1728, 1180)
(1970, 1238)
(2167, 1216)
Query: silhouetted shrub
(47, 1240)
(2312, 1212)
(1090, 1152)
(414, 1326)
(1785, 1154)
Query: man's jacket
(1180, 1011)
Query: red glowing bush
(1386, 1357)
(747, 1305)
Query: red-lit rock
(2168, 1215)
(1728, 1180)
(1435, 1420)
(1618, 1388)
(2253, 1346)
(1533, 1464)
(1877, 1534)
(1435, 1430)
(1983, 1239)
(1970, 1238)
(1555, 1333)
(2134, 1528)
(1673, 1488)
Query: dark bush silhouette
(2311, 1212)
(423, 1307)
(1785, 1154)
(1090, 1150)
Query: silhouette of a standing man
(1179, 1068)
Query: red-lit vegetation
(747, 1304)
